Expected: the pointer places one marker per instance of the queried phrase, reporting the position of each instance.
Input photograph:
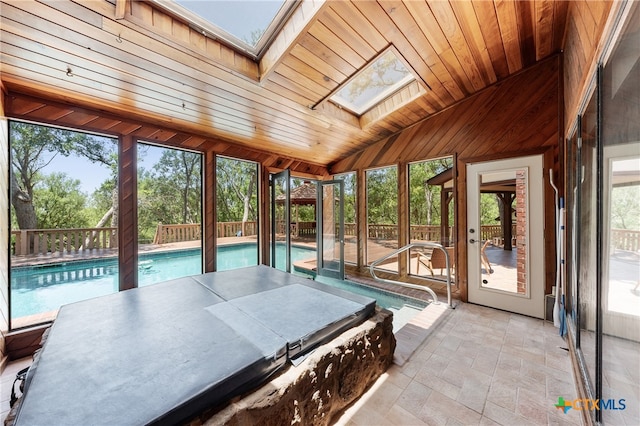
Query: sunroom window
(380, 79)
(246, 25)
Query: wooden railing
(47, 241)
(177, 233)
(191, 231)
(383, 232)
(426, 232)
(487, 232)
(417, 232)
(625, 239)
(231, 229)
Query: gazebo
(303, 195)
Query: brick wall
(521, 229)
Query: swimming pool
(38, 289)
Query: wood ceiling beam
(121, 7)
(296, 27)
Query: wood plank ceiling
(155, 67)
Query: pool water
(38, 289)
(403, 308)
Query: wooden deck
(503, 274)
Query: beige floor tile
(533, 406)
(503, 416)
(442, 386)
(503, 395)
(486, 421)
(473, 395)
(439, 405)
(396, 376)
(399, 416)
(414, 398)
(560, 386)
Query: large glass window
(603, 192)
(237, 213)
(169, 213)
(587, 239)
(430, 213)
(620, 274)
(571, 197)
(382, 216)
(64, 208)
(350, 217)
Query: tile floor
(468, 366)
(476, 366)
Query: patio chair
(484, 259)
(437, 260)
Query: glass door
(281, 221)
(330, 213)
(506, 259)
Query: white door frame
(532, 302)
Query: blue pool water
(38, 289)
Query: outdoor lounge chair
(437, 260)
(484, 259)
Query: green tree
(60, 203)
(424, 199)
(171, 192)
(350, 196)
(33, 147)
(237, 199)
(382, 196)
(148, 217)
(489, 209)
(625, 207)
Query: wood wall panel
(517, 114)
(4, 231)
(209, 213)
(25, 342)
(176, 31)
(127, 213)
(585, 25)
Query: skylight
(244, 24)
(375, 82)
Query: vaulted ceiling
(134, 59)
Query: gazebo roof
(303, 194)
(445, 179)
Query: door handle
(472, 241)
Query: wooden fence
(177, 233)
(624, 239)
(232, 229)
(46, 241)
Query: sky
(239, 17)
(91, 175)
